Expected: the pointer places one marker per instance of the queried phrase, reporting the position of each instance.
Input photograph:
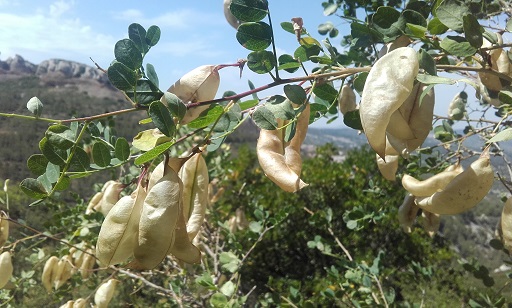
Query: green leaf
(457, 46)
(288, 27)
(153, 153)
(137, 34)
(288, 63)
(175, 105)
(473, 31)
(290, 131)
(80, 160)
(101, 154)
(295, 94)
(36, 163)
(304, 52)
(325, 28)
(249, 10)
(505, 95)
(353, 119)
(330, 8)
(207, 117)
(33, 188)
(264, 118)
(162, 118)
(436, 27)
(215, 142)
(280, 107)
(416, 31)
(261, 62)
(60, 136)
(145, 93)
(126, 52)
(504, 135)
(63, 183)
(429, 79)
(326, 92)
(508, 26)
(451, 13)
(52, 173)
(248, 104)
(153, 35)
(360, 81)
(229, 120)
(228, 288)
(35, 106)
(218, 300)
(53, 154)
(254, 36)
(152, 75)
(122, 150)
(415, 18)
(121, 76)
(427, 62)
(388, 22)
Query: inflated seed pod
(80, 303)
(347, 99)
(430, 222)
(6, 268)
(232, 20)
(105, 292)
(199, 85)
(401, 41)
(63, 271)
(388, 167)
(487, 96)
(194, 175)
(119, 231)
(433, 184)
(387, 86)
(183, 249)
(464, 192)
(88, 264)
(49, 273)
(457, 106)
(68, 304)
(281, 162)
(407, 213)
(491, 81)
(4, 228)
(158, 221)
(505, 225)
(110, 197)
(95, 200)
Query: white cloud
(180, 19)
(60, 7)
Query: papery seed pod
(199, 85)
(80, 303)
(387, 86)
(241, 220)
(68, 304)
(95, 200)
(505, 225)
(88, 264)
(401, 41)
(492, 81)
(50, 273)
(407, 213)
(183, 249)
(232, 20)
(430, 222)
(105, 292)
(487, 96)
(194, 175)
(388, 167)
(119, 231)
(347, 99)
(464, 192)
(63, 271)
(158, 219)
(457, 106)
(433, 184)
(6, 268)
(4, 228)
(281, 162)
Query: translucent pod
(407, 213)
(464, 192)
(119, 231)
(457, 106)
(105, 292)
(49, 273)
(401, 41)
(430, 222)
(183, 249)
(492, 81)
(388, 167)
(505, 225)
(4, 228)
(63, 271)
(433, 184)
(199, 85)
(88, 264)
(6, 268)
(387, 86)
(347, 99)
(194, 175)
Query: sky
(194, 33)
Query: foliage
(337, 242)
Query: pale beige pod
(160, 212)
(433, 184)
(401, 41)
(63, 271)
(68, 304)
(50, 273)
(491, 81)
(183, 249)
(199, 85)
(6, 268)
(4, 228)
(347, 99)
(292, 155)
(388, 167)
(407, 213)
(95, 200)
(232, 20)
(88, 264)
(80, 303)
(194, 175)
(387, 86)
(464, 192)
(105, 292)
(505, 225)
(110, 197)
(119, 231)
(430, 222)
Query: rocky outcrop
(17, 65)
